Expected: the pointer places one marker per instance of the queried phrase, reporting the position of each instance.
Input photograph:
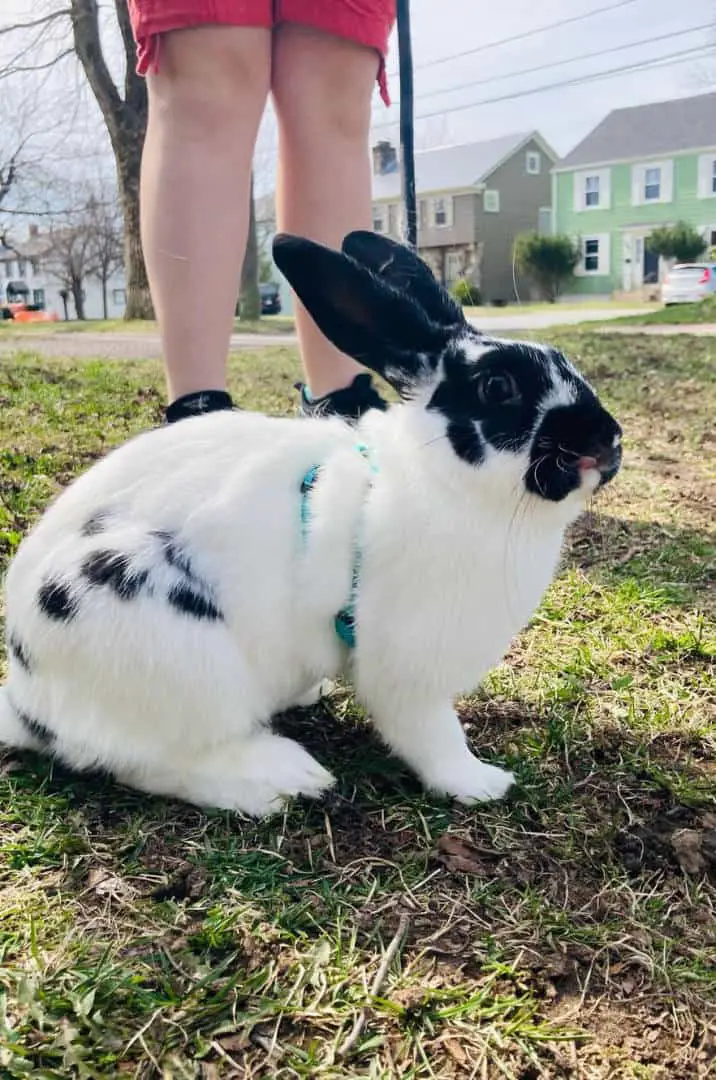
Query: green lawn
(268, 324)
(567, 934)
(598, 304)
(675, 315)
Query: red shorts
(367, 22)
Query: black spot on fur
(19, 653)
(57, 601)
(35, 728)
(191, 602)
(115, 569)
(95, 524)
(465, 441)
(173, 553)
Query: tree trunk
(78, 298)
(139, 301)
(105, 313)
(250, 296)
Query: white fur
(455, 560)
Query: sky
(465, 53)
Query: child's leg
(205, 105)
(322, 87)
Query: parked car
(270, 298)
(687, 283)
(27, 313)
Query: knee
(324, 92)
(211, 78)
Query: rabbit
(207, 575)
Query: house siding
(622, 215)
(522, 195)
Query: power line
(521, 37)
(562, 63)
(643, 65)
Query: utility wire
(562, 63)
(521, 37)
(658, 61)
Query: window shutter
(706, 164)
(605, 262)
(605, 189)
(578, 191)
(667, 181)
(637, 182)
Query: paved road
(116, 345)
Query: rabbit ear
(405, 270)
(361, 313)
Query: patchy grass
(268, 324)
(675, 315)
(586, 303)
(569, 932)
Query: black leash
(407, 133)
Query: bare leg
(205, 106)
(322, 87)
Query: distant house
(26, 276)
(639, 168)
(473, 200)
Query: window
(533, 163)
(491, 202)
(707, 176)
(595, 255)
(591, 256)
(453, 267)
(652, 184)
(35, 266)
(394, 219)
(38, 297)
(379, 218)
(442, 212)
(119, 297)
(8, 268)
(591, 191)
(544, 221)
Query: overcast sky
(501, 40)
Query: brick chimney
(385, 158)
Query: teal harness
(344, 621)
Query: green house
(641, 167)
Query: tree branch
(33, 23)
(19, 69)
(88, 46)
(130, 52)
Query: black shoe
(349, 402)
(196, 404)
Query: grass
(675, 315)
(569, 932)
(268, 324)
(582, 304)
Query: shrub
(681, 242)
(550, 261)
(466, 293)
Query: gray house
(474, 199)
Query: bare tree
(250, 297)
(69, 258)
(123, 106)
(107, 250)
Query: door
(650, 265)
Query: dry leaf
(105, 883)
(455, 1051)
(687, 848)
(461, 857)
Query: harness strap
(344, 622)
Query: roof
(644, 131)
(452, 167)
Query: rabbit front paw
(471, 781)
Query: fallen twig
(390, 954)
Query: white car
(687, 283)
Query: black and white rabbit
(188, 586)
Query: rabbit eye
(498, 389)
